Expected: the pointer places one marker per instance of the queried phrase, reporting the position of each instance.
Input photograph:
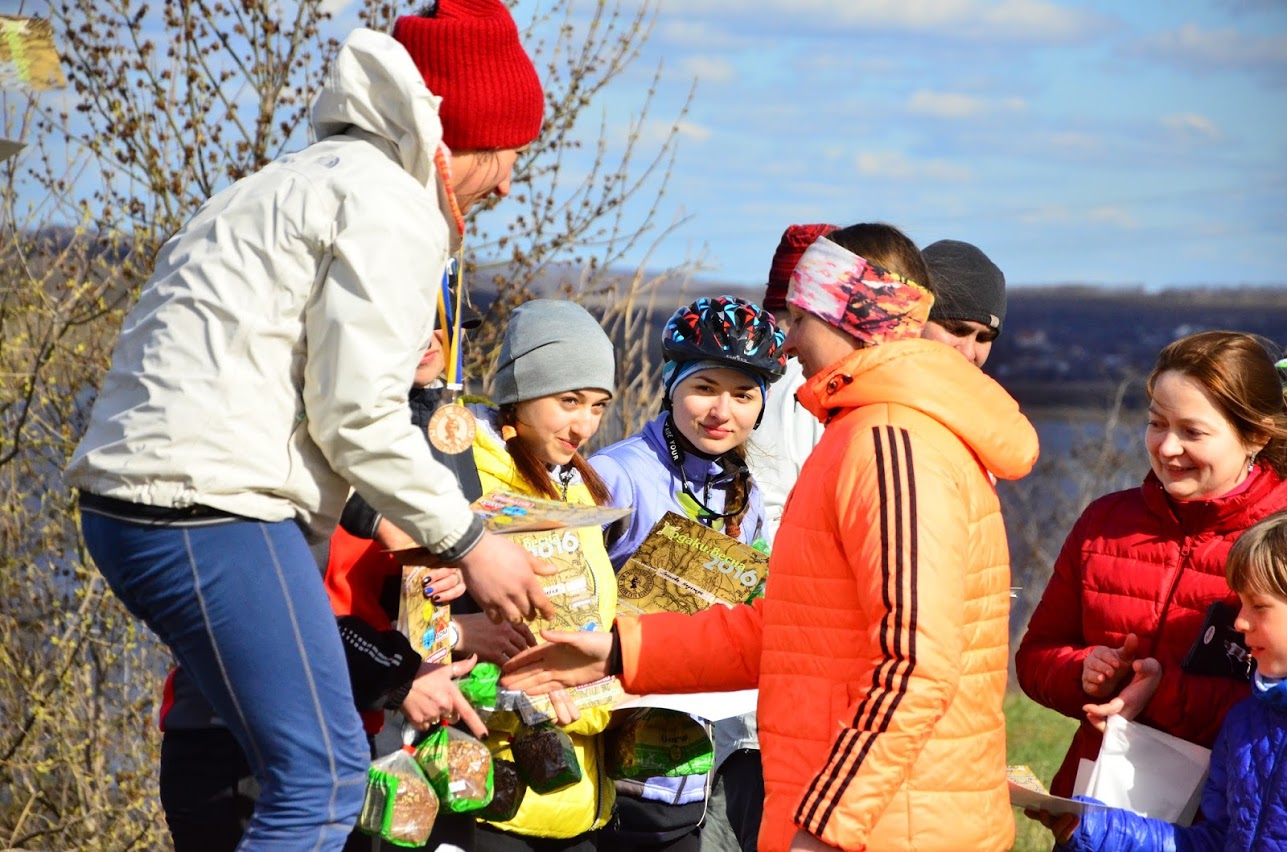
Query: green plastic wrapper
(545, 758)
(459, 769)
(758, 592)
(400, 805)
(508, 790)
(479, 687)
(657, 743)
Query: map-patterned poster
(507, 513)
(28, 59)
(683, 566)
(425, 624)
(575, 596)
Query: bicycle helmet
(729, 331)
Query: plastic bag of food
(508, 790)
(654, 742)
(480, 687)
(545, 758)
(459, 768)
(400, 805)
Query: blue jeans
(242, 606)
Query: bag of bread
(459, 768)
(545, 758)
(508, 790)
(653, 742)
(400, 805)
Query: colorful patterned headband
(867, 301)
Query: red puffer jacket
(1138, 562)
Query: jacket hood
(493, 459)
(373, 85)
(935, 380)
(490, 454)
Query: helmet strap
(730, 463)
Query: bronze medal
(451, 429)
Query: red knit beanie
(795, 240)
(469, 55)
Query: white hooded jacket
(266, 364)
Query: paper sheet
(1149, 772)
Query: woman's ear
(1258, 441)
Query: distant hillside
(1072, 346)
(1065, 346)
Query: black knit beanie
(967, 284)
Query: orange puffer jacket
(881, 644)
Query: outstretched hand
(1132, 700)
(1061, 825)
(1105, 668)
(565, 660)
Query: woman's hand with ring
(434, 697)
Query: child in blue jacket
(1244, 803)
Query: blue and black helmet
(727, 330)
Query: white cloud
(1112, 216)
(895, 165)
(694, 131)
(1060, 215)
(1073, 142)
(1191, 125)
(969, 20)
(1250, 7)
(1195, 48)
(654, 132)
(335, 8)
(710, 69)
(682, 30)
(957, 105)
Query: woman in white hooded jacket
(264, 371)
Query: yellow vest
(588, 804)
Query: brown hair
(885, 246)
(534, 472)
(1257, 562)
(1237, 372)
(738, 494)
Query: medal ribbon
(449, 303)
(449, 319)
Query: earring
(1251, 462)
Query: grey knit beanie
(967, 284)
(552, 346)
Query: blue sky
(1114, 142)
(1140, 142)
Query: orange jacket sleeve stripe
(898, 558)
